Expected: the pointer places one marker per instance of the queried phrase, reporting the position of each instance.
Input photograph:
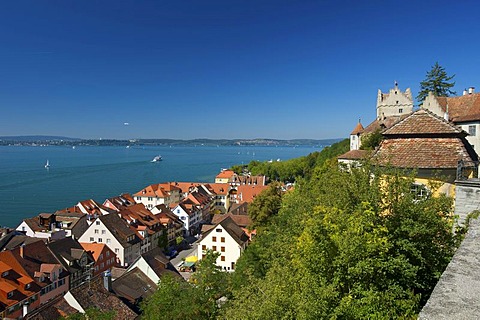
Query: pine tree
(438, 82)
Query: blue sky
(220, 69)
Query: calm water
(27, 188)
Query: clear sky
(221, 68)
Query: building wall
(467, 198)
(57, 287)
(394, 103)
(472, 128)
(90, 236)
(213, 241)
(355, 142)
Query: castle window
(400, 110)
(472, 130)
(397, 101)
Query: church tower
(355, 142)
(394, 103)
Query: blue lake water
(27, 188)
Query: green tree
(347, 245)
(438, 82)
(178, 299)
(372, 140)
(265, 205)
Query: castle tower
(355, 142)
(394, 103)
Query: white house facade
(226, 238)
(113, 231)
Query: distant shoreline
(65, 141)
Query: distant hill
(58, 140)
(37, 138)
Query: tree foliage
(438, 82)
(178, 299)
(349, 245)
(291, 170)
(265, 205)
(372, 140)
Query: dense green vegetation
(349, 245)
(341, 245)
(372, 140)
(288, 171)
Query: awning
(191, 259)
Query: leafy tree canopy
(436, 81)
(345, 245)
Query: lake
(27, 188)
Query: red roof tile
(434, 153)
(354, 155)
(358, 129)
(423, 122)
(461, 108)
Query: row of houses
(115, 246)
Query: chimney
(21, 250)
(471, 90)
(464, 92)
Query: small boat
(47, 165)
(157, 158)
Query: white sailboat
(47, 165)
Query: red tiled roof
(424, 140)
(358, 129)
(423, 122)
(219, 188)
(382, 124)
(461, 108)
(225, 174)
(95, 248)
(240, 220)
(433, 153)
(246, 193)
(354, 155)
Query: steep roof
(159, 263)
(134, 286)
(92, 294)
(462, 108)
(382, 124)
(423, 122)
(424, 140)
(358, 129)
(119, 229)
(95, 248)
(232, 229)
